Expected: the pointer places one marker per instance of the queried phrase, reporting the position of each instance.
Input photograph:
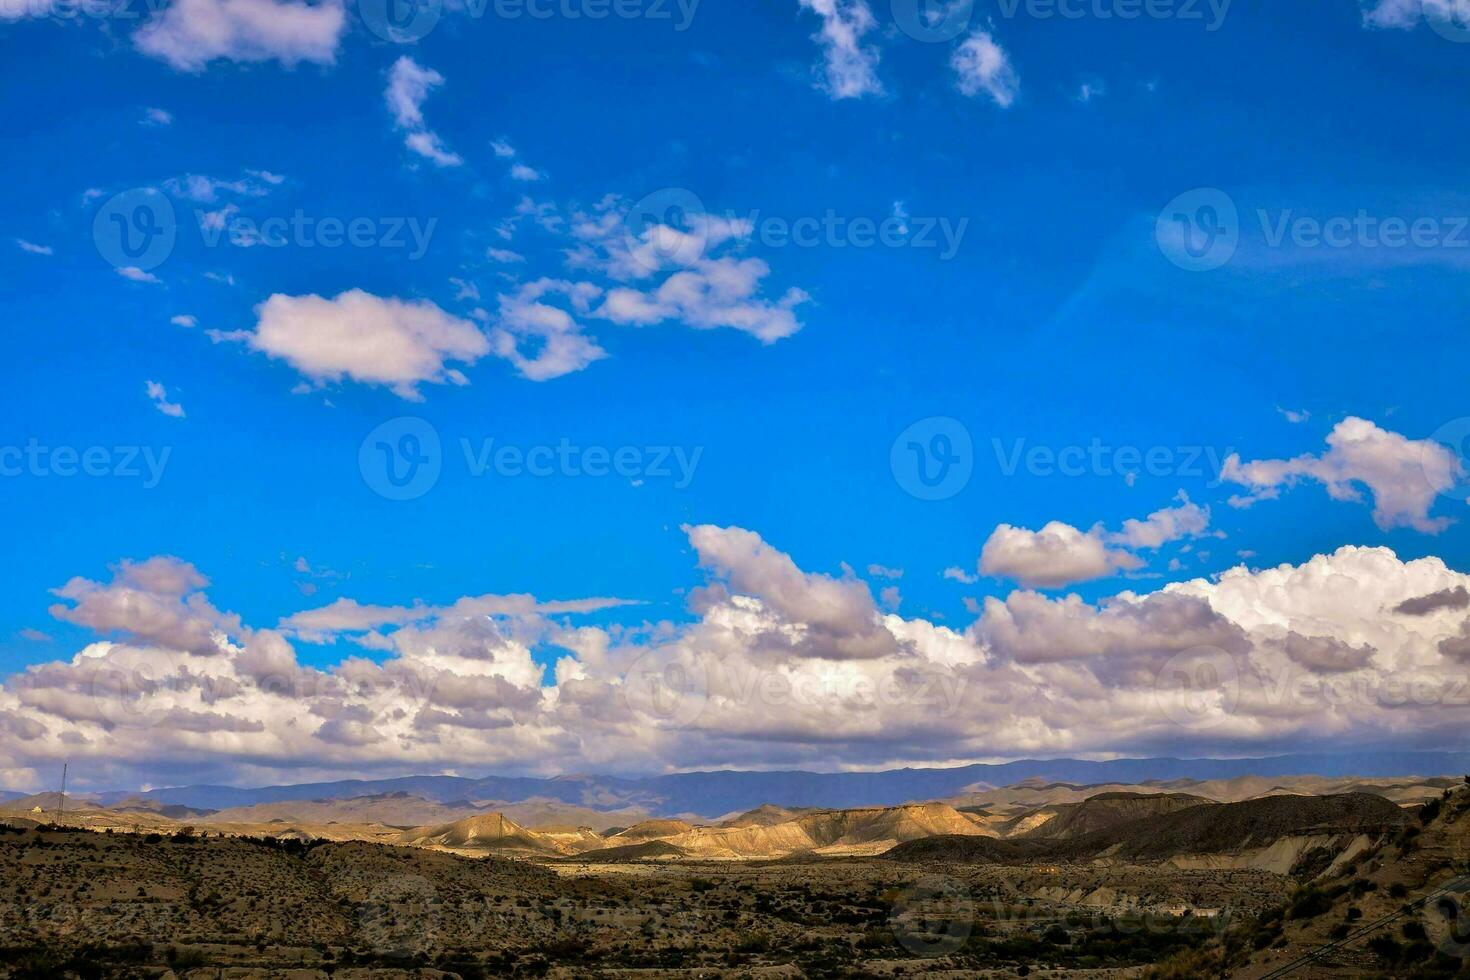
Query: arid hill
(1274, 833)
(1397, 908)
(869, 830)
(764, 815)
(1109, 810)
(484, 832)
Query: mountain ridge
(718, 793)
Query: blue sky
(1057, 321)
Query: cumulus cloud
(541, 326)
(849, 67)
(544, 340)
(713, 293)
(189, 34)
(1058, 554)
(400, 344)
(155, 601)
(778, 665)
(409, 84)
(1403, 475)
(981, 66)
(837, 617)
(1187, 520)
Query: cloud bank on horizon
(778, 666)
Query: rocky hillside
(484, 832)
(1106, 810)
(1399, 908)
(1275, 833)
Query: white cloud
(373, 340)
(33, 248)
(712, 293)
(956, 574)
(203, 189)
(850, 67)
(981, 66)
(542, 340)
(1403, 475)
(503, 149)
(522, 172)
(503, 255)
(159, 396)
(788, 667)
(1408, 14)
(183, 320)
(157, 117)
(409, 84)
(1090, 89)
(189, 34)
(1294, 417)
(428, 145)
(1058, 554)
(1188, 520)
(136, 274)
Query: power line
(1362, 931)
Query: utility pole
(61, 800)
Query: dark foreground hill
(1111, 809)
(1400, 908)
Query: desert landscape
(1231, 877)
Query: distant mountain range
(712, 794)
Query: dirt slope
(1109, 810)
(486, 831)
